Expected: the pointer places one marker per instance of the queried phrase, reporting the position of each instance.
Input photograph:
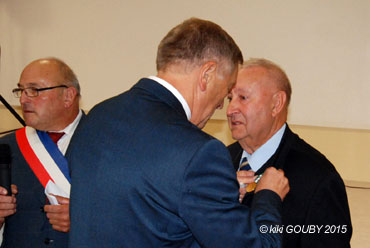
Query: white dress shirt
(68, 133)
(264, 152)
(175, 92)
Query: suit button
(48, 241)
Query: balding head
(274, 74)
(60, 70)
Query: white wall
(323, 45)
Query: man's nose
(231, 109)
(24, 98)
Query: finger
(61, 200)
(245, 180)
(3, 191)
(242, 191)
(14, 189)
(7, 199)
(7, 206)
(61, 223)
(60, 228)
(55, 218)
(245, 173)
(6, 213)
(55, 208)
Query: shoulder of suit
(11, 140)
(234, 148)
(10, 137)
(308, 155)
(234, 145)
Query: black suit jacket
(317, 194)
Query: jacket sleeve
(211, 209)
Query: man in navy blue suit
(145, 175)
(257, 115)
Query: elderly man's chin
(30, 119)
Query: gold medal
(252, 186)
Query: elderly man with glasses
(36, 214)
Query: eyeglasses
(33, 91)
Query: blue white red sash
(45, 159)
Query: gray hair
(275, 73)
(69, 77)
(195, 41)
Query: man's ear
(279, 101)
(207, 72)
(70, 95)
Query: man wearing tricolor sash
(37, 213)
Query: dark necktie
(55, 136)
(244, 165)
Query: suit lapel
(278, 159)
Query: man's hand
(244, 178)
(274, 180)
(7, 203)
(58, 215)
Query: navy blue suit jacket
(29, 226)
(317, 194)
(144, 176)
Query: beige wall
(347, 149)
(7, 121)
(110, 44)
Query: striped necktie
(244, 165)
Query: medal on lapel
(252, 186)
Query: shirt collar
(72, 127)
(175, 92)
(69, 130)
(265, 152)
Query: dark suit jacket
(144, 176)
(29, 226)
(317, 194)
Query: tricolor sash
(45, 159)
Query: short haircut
(275, 73)
(196, 41)
(69, 77)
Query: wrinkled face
(45, 111)
(250, 109)
(217, 91)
